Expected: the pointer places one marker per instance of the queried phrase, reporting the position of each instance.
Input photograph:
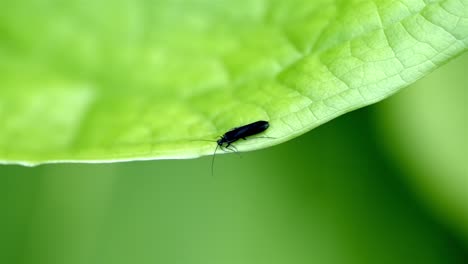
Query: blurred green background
(384, 184)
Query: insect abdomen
(246, 131)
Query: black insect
(242, 132)
(237, 133)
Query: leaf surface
(126, 80)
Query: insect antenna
(203, 140)
(213, 159)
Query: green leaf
(125, 80)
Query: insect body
(242, 132)
(237, 133)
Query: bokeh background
(383, 184)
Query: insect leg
(223, 148)
(234, 148)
